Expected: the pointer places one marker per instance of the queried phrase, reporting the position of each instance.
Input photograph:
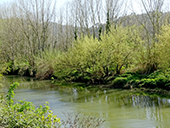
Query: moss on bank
(155, 80)
(157, 83)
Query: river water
(120, 108)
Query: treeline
(86, 40)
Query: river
(120, 108)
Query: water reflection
(120, 108)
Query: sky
(59, 2)
(62, 2)
(135, 3)
(2, 1)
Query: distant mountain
(65, 32)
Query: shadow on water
(120, 108)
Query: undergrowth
(157, 79)
(25, 114)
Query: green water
(120, 108)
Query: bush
(163, 47)
(148, 83)
(119, 82)
(45, 64)
(95, 61)
(25, 114)
(157, 79)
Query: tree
(26, 30)
(10, 35)
(151, 23)
(163, 47)
(108, 24)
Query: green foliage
(108, 23)
(18, 67)
(94, 61)
(119, 82)
(155, 83)
(45, 64)
(163, 47)
(11, 93)
(0, 81)
(25, 114)
(121, 46)
(4, 66)
(117, 51)
(157, 79)
(23, 67)
(84, 60)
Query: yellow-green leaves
(95, 60)
(163, 47)
(25, 114)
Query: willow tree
(93, 60)
(163, 47)
(151, 22)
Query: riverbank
(157, 79)
(157, 83)
(138, 90)
(119, 60)
(20, 113)
(113, 105)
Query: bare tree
(114, 9)
(37, 15)
(96, 15)
(151, 22)
(10, 35)
(26, 29)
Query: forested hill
(148, 21)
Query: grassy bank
(157, 79)
(156, 83)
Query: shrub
(157, 79)
(45, 64)
(96, 60)
(25, 114)
(119, 82)
(163, 47)
(149, 83)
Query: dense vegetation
(128, 51)
(121, 52)
(26, 114)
